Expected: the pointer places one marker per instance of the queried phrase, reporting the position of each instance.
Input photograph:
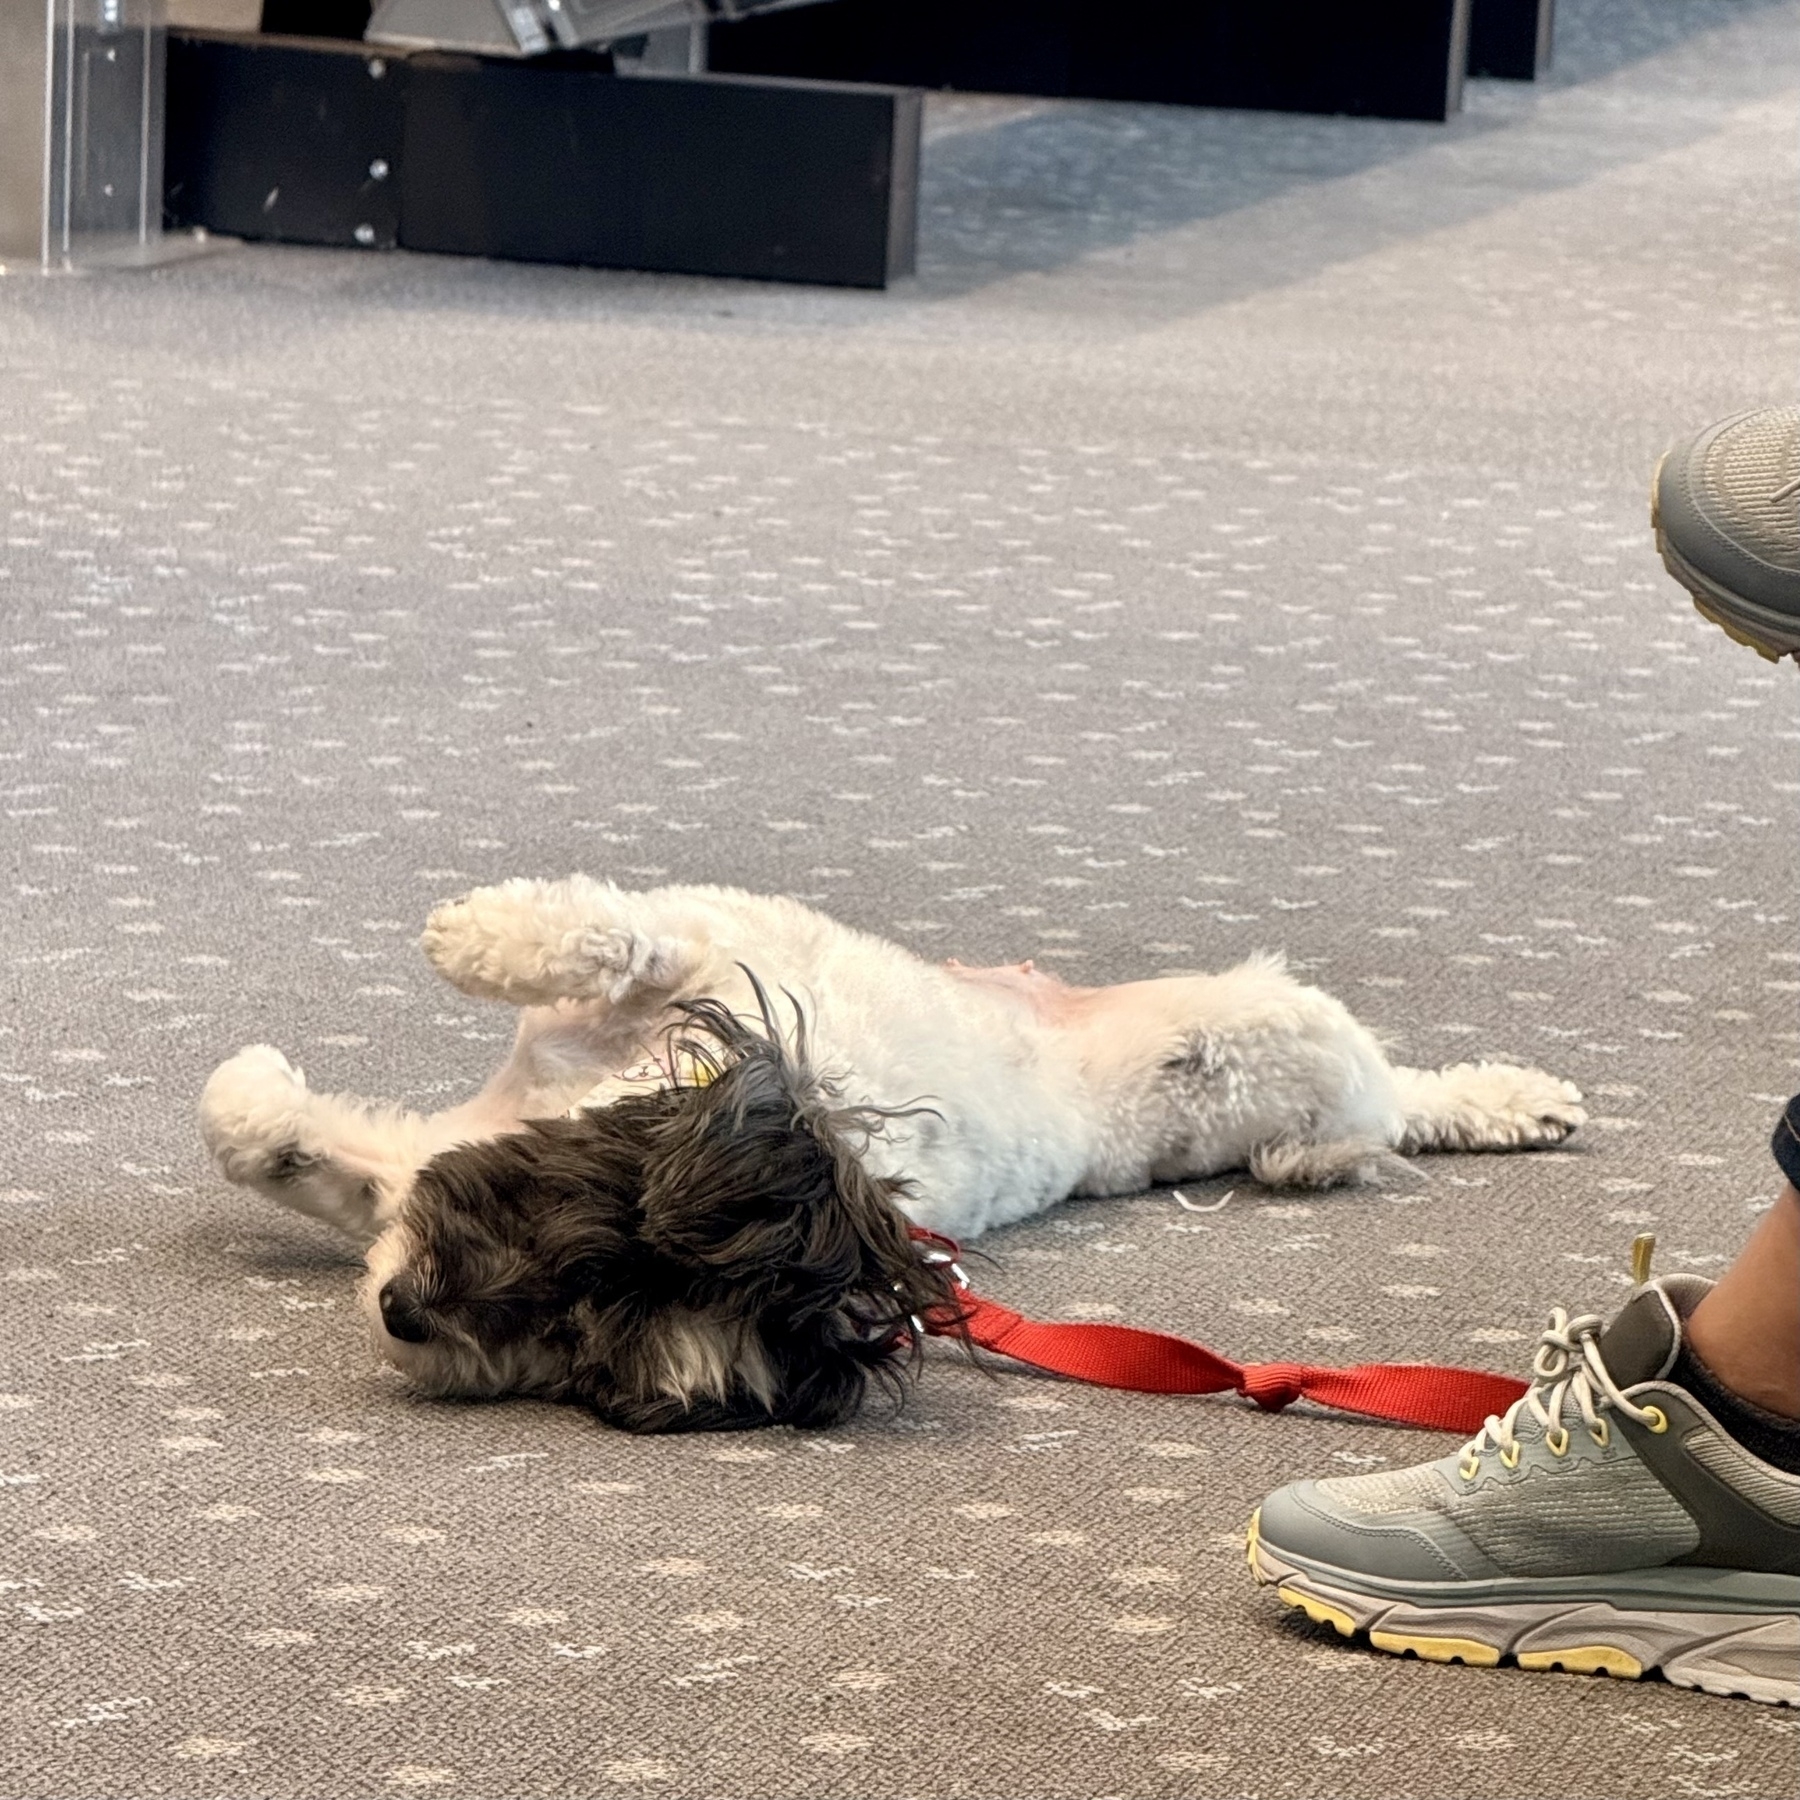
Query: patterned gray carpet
(1235, 537)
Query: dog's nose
(402, 1314)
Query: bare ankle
(1747, 1330)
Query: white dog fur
(1038, 1091)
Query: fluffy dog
(687, 1206)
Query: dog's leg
(1253, 1069)
(534, 942)
(333, 1157)
(560, 1055)
(1485, 1106)
(351, 1162)
(1473, 1106)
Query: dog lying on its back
(680, 1209)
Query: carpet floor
(1235, 537)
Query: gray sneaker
(1605, 1524)
(1725, 506)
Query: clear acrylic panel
(104, 132)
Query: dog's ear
(755, 1180)
(759, 1184)
(783, 1263)
(587, 1172)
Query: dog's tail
(1485, 1106)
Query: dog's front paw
(534, 942)
(445, 939)
(499, 942)
(250, 1113)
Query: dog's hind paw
(1523, 1109)
(1543, 1109)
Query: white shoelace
(1568, 1363)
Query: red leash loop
(1158, 1362)
(1274, 1385)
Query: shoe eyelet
(1470, 1469)
(1601, 1432)
(1510, 1456)
(1557, 1441)
(1655, 1419)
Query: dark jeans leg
(1787, 1142)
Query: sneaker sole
(1747, 1654)
(1771, 635)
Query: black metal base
(1511, 38)
(554, 160)
(1399, 59)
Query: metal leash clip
(937, 1258)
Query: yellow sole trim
(1585, 1659)
(1321, 1612)
(1252, 1537)
(1436, 1649)
(1736, 633)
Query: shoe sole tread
(1752, 1655)
(1771, 635)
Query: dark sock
(1766, 1435)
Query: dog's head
(710, 1255)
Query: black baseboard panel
(290, 139)
(553, 160)
(1399, 59)
(787, 181)
(1511, 38)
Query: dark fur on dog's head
(707, 1256)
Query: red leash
(1158, 1362)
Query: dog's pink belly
(1048, 996)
